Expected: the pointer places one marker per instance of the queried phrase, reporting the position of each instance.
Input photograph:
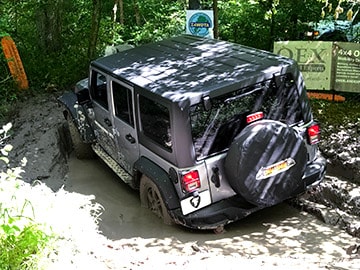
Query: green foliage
(40, 229)
(53, 36)
(235, 24)
(159, 19)
(292, 18)
(259, 23)
(65, 62)
(21, 239)
(340, 9)
(149, 32)
(19, 246)
(59, 64)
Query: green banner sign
(325, 65)
(347, 66)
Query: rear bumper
(215, 215)
(235, 208)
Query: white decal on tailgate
(197, 202)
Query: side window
(123, 103)
(98, 89)
(155, 122)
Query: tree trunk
(294, 33)
(216, 18)
(49, 25)
(95, 25)
(118, 7)
(194, 4)
(137, 13)
(121, 12)
(272, 33)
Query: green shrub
(19, 246)
(41, 229)
(21, 238)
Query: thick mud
(322, 239)
(282, 232)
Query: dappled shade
(186, 66)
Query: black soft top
(185, 68)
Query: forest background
(57, 39)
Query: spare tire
(265, 163)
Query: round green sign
(199, 24)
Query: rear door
(104, 120)
(124, 124)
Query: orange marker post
(14, 62)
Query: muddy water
(280, 231)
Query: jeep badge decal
(195, 201)
(274, 169)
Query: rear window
(213, 130)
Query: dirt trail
(39, 135)
(36, 137)
(280, 236)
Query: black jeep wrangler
(208, 131)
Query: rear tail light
(313, 134)
(190, 181)
(254, 117)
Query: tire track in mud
(40, 134)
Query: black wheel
(266, 162)
(151, 198)
(82, 150)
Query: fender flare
(161, 178)
(69, 100)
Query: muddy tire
(151, 198)
(266, 162)
(82, 150)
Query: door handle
(107, 122)
(130, 138)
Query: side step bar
(124, 175)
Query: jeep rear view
(208, 131)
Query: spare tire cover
(265, 163)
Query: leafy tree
(194, 4)
(95, 25)
(259, 23)
(49, 34)
(57, 39)
(340, 9)
(151, 20)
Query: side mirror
(83, 96)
